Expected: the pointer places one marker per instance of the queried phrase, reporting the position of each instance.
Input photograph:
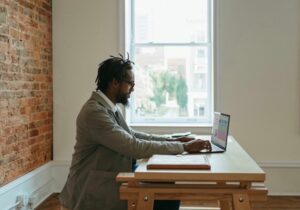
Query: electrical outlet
(25, 200)
(22, 201)
(32, 201)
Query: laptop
(219, 136)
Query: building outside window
(170, 42)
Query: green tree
(159, 94)
(181, 93)
(169, 81)
(164, 82)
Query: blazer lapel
(120, 120)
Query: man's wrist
(184, 147)
(170, 139)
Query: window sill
(169, 125)
(200, 129)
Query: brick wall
(25, 86)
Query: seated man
(106, 145)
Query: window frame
(125, 41)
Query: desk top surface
(233, 165)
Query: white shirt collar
(108, 101)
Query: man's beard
(122, 98)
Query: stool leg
(145, 201)
(131, 205)
(241, 202)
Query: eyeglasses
(131, 83)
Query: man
(106, 145)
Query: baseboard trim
(279, 164)
(284, 194)
(56, 163)
(43, 199)
(36, 185)
(19, 181)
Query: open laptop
(219, 135)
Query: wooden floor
(273, 203)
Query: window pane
(169, 21)
(171, 83)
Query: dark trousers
(166, 205)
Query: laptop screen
(220, 129)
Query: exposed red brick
(26, 130)
(33, 133)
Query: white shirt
(113, 107)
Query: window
(170, 42)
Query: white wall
(84, 33)
(258, 62)
(259, 59)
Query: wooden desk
(230, 182)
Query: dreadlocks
(112, 68)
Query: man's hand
(196, 146)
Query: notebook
(188, 161)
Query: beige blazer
(105, 147)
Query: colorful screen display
(220, 129)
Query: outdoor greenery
(181, 93)
(167, 82)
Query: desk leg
(131, 205)
(241, 202)
(145, 200)
(224, 205)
